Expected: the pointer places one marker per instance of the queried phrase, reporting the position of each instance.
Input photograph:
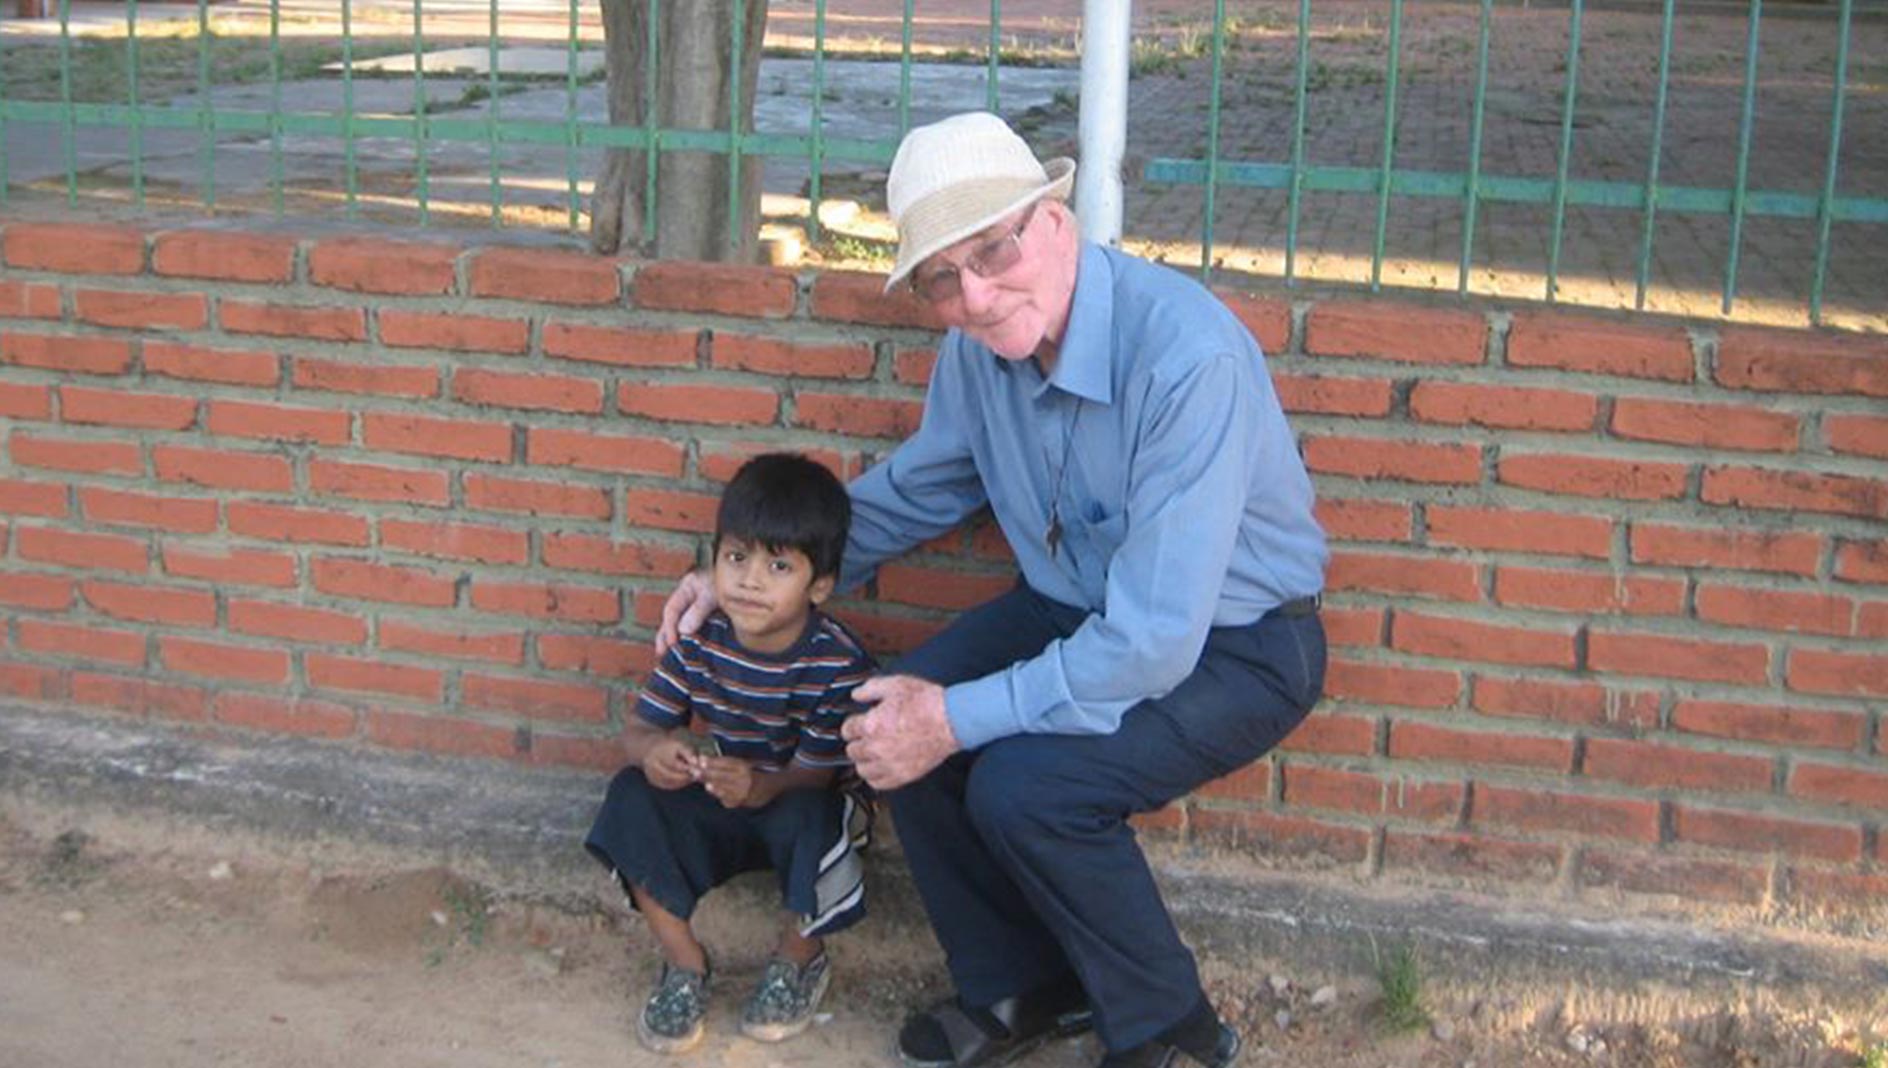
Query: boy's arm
(795, 776)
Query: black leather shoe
(1163, 1053)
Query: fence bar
(1296, 195)
(570, 124)
(1389, 143)
(904, 75)
(422, 177)
(996, 40)
(68, 134)
(206, 115)
(277, 167)
(1823, 211)
(350, 166)
(1472, 202)
(1658, 148)
(1566, 151)
(1743, 156)
(1212, 141)
(814, 161)
(1102, 126)
(735, 221)
(491, 113)
(6, 195)
(651, 135)
(131, 97)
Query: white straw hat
(957, 176)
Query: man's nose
(978, 293)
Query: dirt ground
(129, 944)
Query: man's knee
(1014, 792)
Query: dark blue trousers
(1021, 850)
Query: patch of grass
(1875, 1056)
(1400, 975)
(168, 56)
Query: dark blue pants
(1021, 850)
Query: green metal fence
(1232, 68)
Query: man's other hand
(905, 734)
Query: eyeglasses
(988, 260)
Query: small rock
(221, 871)
(1282, 1019)
(545, 964)
(72, 917)
(1280, 985)
(439, 918)
(1577, 1040)
(821, 1019)
(1325, 995)
(1596, 1048)
(1443, 1029)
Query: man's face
(995, 285)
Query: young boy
(767, 783)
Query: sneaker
(671, 1019)
(784, 1001)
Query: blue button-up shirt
(1156, 444)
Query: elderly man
(1119, 422)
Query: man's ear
(822, 588)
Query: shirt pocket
(1093, 539)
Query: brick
(385, 583)
(1781, 610)
(1689, 878)
(1861, 561)
(1251, 783)
(370, 265)
(571, 604)
(1784, 551)
(32, 682)
(1666, 657)
(329, 672)
(1752, 832)
(1399, 332)
(111, 407)
(1471, 856)
(1334, 733)
(1706, 426)
(280, 522)
(720, 289)
(1871, 620)
(151, 604)
(376, 482)
(65, 454)
(1515, 530)
(225, 257)
(670, 510)
(314, 322)
(1312, 786)
(79, 549)
(223, 468)
(1588, 591)
(1783, 725)
(1594, 476)
(1315, 842)
(858, 297)
(19, 401)
(614, 453)
(1632, 819)
(276, 715)
(454, 439)
(196, 363)
(94, 644)
(456, 332)
(717, 405)
(913, 367)
(456, 541)
(75, 248)
(1581, 703)
(773, 356)
(337, 376)
(230, 567)
(497, 647)
(141, 697)
(52, 593)
(1354, 626)
(1862, 674)
(1672, 767)
(80, 355)
(276, 422)
(1390, 684)
(868, 417)
(1423, 576)
(1861, 435)
(1592, 346)
(1461, 639)
(1503, 407)
(1414, 740)
(46, 500)
(1806, 491)
(603, 556)
(1838, 785)
(1399, 461)
(1268, 320)
(536, 498)
(1796, 361)
(30, 300)
(1330, 395)
(937, 588)
(1355, 520)
(537, 392)
(544, 276)
(296, 623)
(622, 346)
(439, 734)
(535, 698)
(611, 658)
(220, 660)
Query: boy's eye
(734, 556)
(782, 565)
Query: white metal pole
(1104, 117)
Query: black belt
(1299, 606)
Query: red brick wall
(1609, 599)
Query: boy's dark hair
(785, 501)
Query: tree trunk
(692, 220)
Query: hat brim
(912, 252)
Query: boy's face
(765, 593)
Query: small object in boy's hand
(704, 745)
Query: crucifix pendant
(1054, 537)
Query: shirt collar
(1084, 364)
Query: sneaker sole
(780, 1032)
(656, 1043)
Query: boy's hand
(670, 764)
(730, 780)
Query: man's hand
(670, 764)
(904, 736)
(686, 608)
(730, 781)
